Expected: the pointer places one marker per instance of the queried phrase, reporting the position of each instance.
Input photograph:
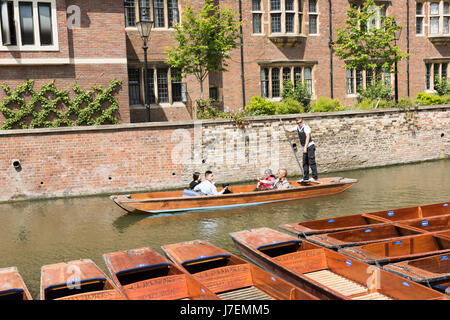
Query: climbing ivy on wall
(26, 108)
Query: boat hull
(242, 196)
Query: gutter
(330, 44)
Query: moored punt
(331, 224)
(404, 248)
(174, 201)
(77, 280)
(434, 224)
(356, 237)
(143, 274)
(325, 273)
(12, 286)
(410, 213)
(229, 276)
(433, 271)
(366, 219)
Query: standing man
(309, 149)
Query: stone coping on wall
(190, 123)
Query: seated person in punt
(196, 179)
(281, 182)
(268, 175)
(207, 186)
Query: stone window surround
(281, 66)
(153, 67)
(432, 62)
(426, 18)
(37, 46)
(166, 15)
(364, 81)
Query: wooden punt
(433, 271)
(410, 213)
(12, 286)
(229, 276)
(77, 280)
(331, 225)
(143, 274)
(434, 224)
(366, 219)
(324, 273)
(404, 248)
(174, 201)
(357, 237)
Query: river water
(36, 233)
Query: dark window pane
(257, 23)
(176, 84)
(173, 15)
(26, 22)
(286, 74)
(289, 4)
(275, 5)
(256, 5)
(276, 22)
(275, 82)
(428, 76)
(158, 13)
(297, 76)
(265, 83)
(8, 27)
(419, 25)
(312, 24)
(130, 13)
(350, 82)
(134, 88)
(312, 6)
(144, 10)
(290, 22)
(45, 23)
(163, 85)
(308, 79)
(359, 79)
(151, 85)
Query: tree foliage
(204, 40)
(365, 47)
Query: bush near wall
(26, 108)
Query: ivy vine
(26, 108)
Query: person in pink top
(268, 176)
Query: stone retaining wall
(133, 157)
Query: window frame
(431, 66)
(282, 12)
(169, 20)
(37, 46)
(420, 16)
(315, 15)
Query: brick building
(282, 39)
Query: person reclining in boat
(281, 182)
(207, 186)
(196, 179)
(268, 175)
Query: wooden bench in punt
(143, 274)
(77, 280)
(229, 276)
(12, 286)
(404, 248)
(433, 271)
(433, 224)
(324, 273)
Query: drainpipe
(330, 44)
(242, 56)
(407, 45)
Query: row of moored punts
(400, 254)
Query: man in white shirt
(207, 186)
(309, 149)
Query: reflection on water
(36, 233)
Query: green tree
(204, 40)
(366, 42)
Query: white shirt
(307, 130)
(207, 188)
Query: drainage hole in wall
(42, 182)
(442, 135)
(173, 173)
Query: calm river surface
(36, 233)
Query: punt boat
(77, 280)
(404, 248)
(229, 276)
(174, 201)
(366, 219)
(433, 271)
(434, 224)
(357, 237)
(325, 273)
(12, 286)
(143, 274)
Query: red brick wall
(100, 36)
(136, 157)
